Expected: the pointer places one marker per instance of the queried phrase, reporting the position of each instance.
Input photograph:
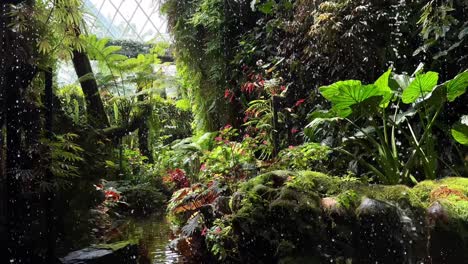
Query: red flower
(228, 94)
(294, 131)
(204, 231)
(248, 87)
(203, 167)
(299, 102)
(228, 126)
(282, 88)
(261, 83)
(218, 138)
(291, 147)
(112, 195)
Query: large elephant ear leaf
(457, 86)
(382, 84)
(347, 94)
(422, 85)
(460, 131)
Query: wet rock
(330, 205)
(448, 238)
(340, 225)
(289, 217)
(121, 252)
(379, 233)
(436, 213)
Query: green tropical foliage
(373, 126)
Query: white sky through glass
(139, 20)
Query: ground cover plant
(264, 131)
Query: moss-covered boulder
(446, 201)
(282, 216)
(279, 218)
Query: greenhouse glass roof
(138, 20)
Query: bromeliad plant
(392, 122)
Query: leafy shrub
(308, 156)
(144, 199)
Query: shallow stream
(153, 235)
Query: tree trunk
(143, 132)
(96, 114)
(49, 196)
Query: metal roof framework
(138, 20)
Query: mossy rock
(281, 214)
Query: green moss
(270, 179)
(456, 183)
(423, 191)
(280, 211)
(399, 194)
(457, 209)
(322, 183)
(424, 188)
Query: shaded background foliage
(319, 42)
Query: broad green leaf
(267, 8)
(460, 134)
(318, 118)
(109, 50)
(457, 86)
(420, 86)
(382, 84)
(345, 94)
(460, 131)
(403, 80)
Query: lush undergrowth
(293, 132)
